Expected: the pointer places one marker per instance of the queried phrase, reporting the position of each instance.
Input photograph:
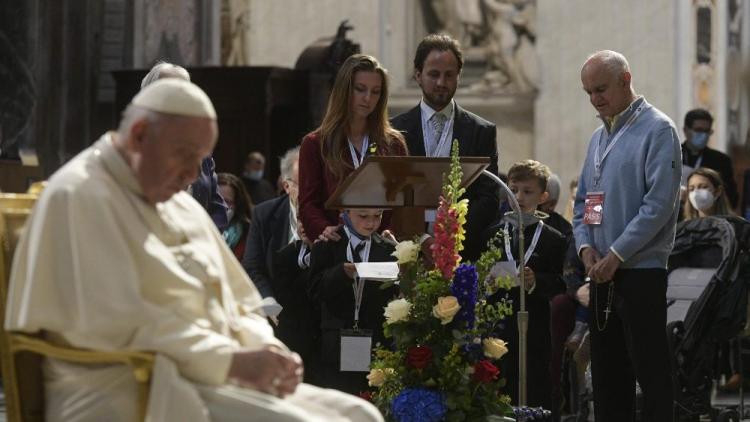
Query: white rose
(406, 252)
(377, 377)
(494, 348)
(397, 310)
(446, 309)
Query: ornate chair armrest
(142, 363)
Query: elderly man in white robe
(117, 256)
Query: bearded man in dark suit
(431, 126)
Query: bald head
(606, 79)
(610, 61)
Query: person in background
(355, 126)
(555, 220)
(259, 189)
(204, 189)
(239, 212)
(696, 152)
(707, 195)
(274, 226)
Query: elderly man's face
(166, 156)
(607, 91)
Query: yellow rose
(494, 348)
(377, 377)
(397, 310)
(446, 309)
(406, 252)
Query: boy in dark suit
(542, 266)
(347, 302)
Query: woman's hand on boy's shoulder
(330, 233)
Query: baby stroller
(709, 271)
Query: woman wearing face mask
(239, 211)
(355, 126)
(706, 195)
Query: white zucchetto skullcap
(175, 96)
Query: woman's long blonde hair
(721, 204)
(332, 130)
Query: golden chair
(21, 354)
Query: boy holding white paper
(542, 265)
(351, 307)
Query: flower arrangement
(443, 363)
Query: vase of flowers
(443, 363)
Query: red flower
(419, 357)
(485, 371)
(366, 395)
(444, 252)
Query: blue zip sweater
(641, 181)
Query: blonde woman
(706, 195)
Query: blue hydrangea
(464, 288)
(418, 405)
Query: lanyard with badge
(356, 343)
(529, 251)
(358, 159)
(594, 202)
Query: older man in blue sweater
(624, 224)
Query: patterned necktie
(437, 121)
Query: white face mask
(702, 199)
(230, 214)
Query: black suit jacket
(546, 260)
(332, 290)
(269, 232)
(547, 263)
(476, 138)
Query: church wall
(644, 31)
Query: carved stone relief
(171, 32)
(498, 37)
(235, 33)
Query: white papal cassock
(101, 268)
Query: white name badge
(356, 350)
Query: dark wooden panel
(259, 108)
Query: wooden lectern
(408, 185)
